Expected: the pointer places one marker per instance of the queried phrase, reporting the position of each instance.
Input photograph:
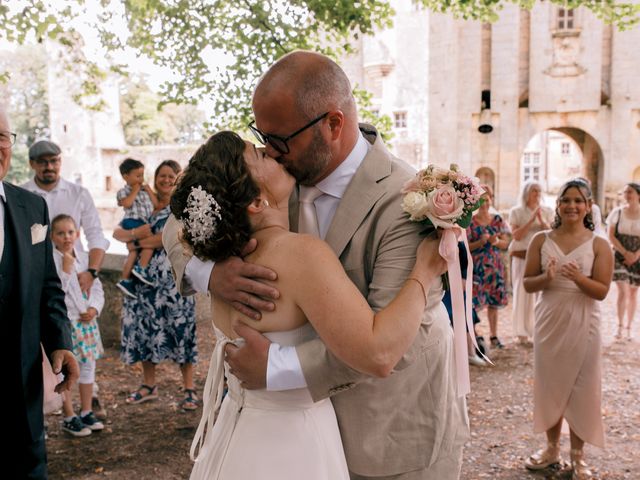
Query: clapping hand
(571, 270)
(485, 237)
(631, 257)
(551, 268)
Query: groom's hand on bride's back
(248, 362)
(240, 284)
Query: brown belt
(519, 254)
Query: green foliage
(182, 35)
(26, 95)
(383, 123)
(147, 122)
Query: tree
(27, 105)
(147, 122)
(179, 34)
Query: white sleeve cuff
(283, 369)
(198, 273)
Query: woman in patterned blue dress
(488, 234)
(159, 324)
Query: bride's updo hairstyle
(212, 196)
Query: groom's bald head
(314, 82)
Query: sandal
(190, 401)
(544, 458)
(580, 470)
(496, 343)
(138, 397)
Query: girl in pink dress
(572, 268)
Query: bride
(229, 193)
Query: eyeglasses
(280, 143)
(7, 139)
(44, 161)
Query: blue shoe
(126, 287)
(91, 422)
(75, 427)
(142, 275)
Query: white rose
(415, 204)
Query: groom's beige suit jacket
(412, 418)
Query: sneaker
(126, 287)
(91, 422)
(98, 410)
(75, 427)
(477, 361)
(141, 274)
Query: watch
(93, 272)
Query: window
(565, 19)
(531, 166)
(566, 148)
(400, 119)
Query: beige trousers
(445, 468)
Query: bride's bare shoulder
(307, 247)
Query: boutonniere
(38, 233)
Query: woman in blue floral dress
(159, 324)
(488, 234)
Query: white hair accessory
(203, 214)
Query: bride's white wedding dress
(265, 435)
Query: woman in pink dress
(572, 268)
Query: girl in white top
(525, 220)
(83, 311)
(624, 234)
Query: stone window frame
(400, 120)
(565, 21)
(531, 166)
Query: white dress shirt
(76, 201)
(3, 199)
(283, 370)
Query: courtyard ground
(151, 441)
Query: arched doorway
(556, 155)
(487, 177)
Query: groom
(32, 310)
(410, 425)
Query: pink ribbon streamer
(462, 318)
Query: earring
(265, 203)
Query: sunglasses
(280, 143)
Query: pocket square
(38, 233)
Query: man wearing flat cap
(64, 197)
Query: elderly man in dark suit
(32, 310)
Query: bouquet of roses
(442, 198)
(446, 199)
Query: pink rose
(444, 206)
